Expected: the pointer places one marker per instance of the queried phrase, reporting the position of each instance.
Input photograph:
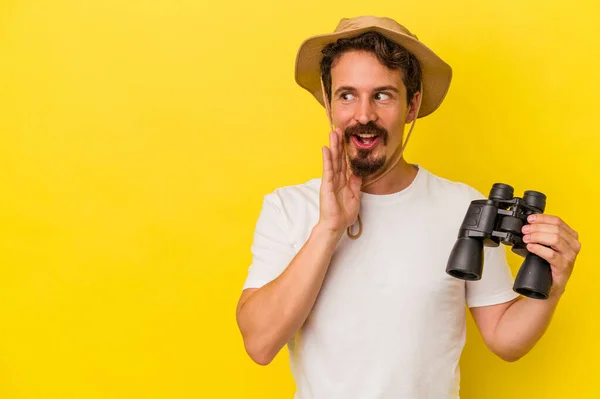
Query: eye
(381, 96)
(347, 96)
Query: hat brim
(436, 74)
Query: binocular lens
(466, 259)
(535, 199)
(534, 278)
(501, 192)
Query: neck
(397, 179)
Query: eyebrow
(381, 88)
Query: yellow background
(139, 137)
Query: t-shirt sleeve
(271, 250)
(496, 284)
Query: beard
(364, 163)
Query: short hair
(389, 53)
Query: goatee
(363, 163)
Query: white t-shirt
(388, 321)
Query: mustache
(369, 128)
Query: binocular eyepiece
(499, 219)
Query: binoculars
(499, 219)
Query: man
(349, 270)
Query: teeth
(366, 136)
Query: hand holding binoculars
(500, 219)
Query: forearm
(522, 325)
(272, 314)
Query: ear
(413, 106)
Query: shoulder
(295, 208)
(448, 200)
(293, 196)
(449, 191)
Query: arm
(511, 329)
(269, 316)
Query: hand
(553, 240)
(340, 189)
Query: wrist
(326, 234)
(556, 292)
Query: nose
(365, 112)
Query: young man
(349, 270)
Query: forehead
(362, 69)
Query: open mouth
(365, 141)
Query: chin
(369, 155)
(366, 166)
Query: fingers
(327, 166)
(335, 151)
(554, 241)
(344, 168)
(343, 172)
(549, 255)
(555, 226)
(541, 218)
(335, 167)
(342, 178)
(342, 153)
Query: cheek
(394, 124)
(391, 117)
(342, 117)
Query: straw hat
(436, 74)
